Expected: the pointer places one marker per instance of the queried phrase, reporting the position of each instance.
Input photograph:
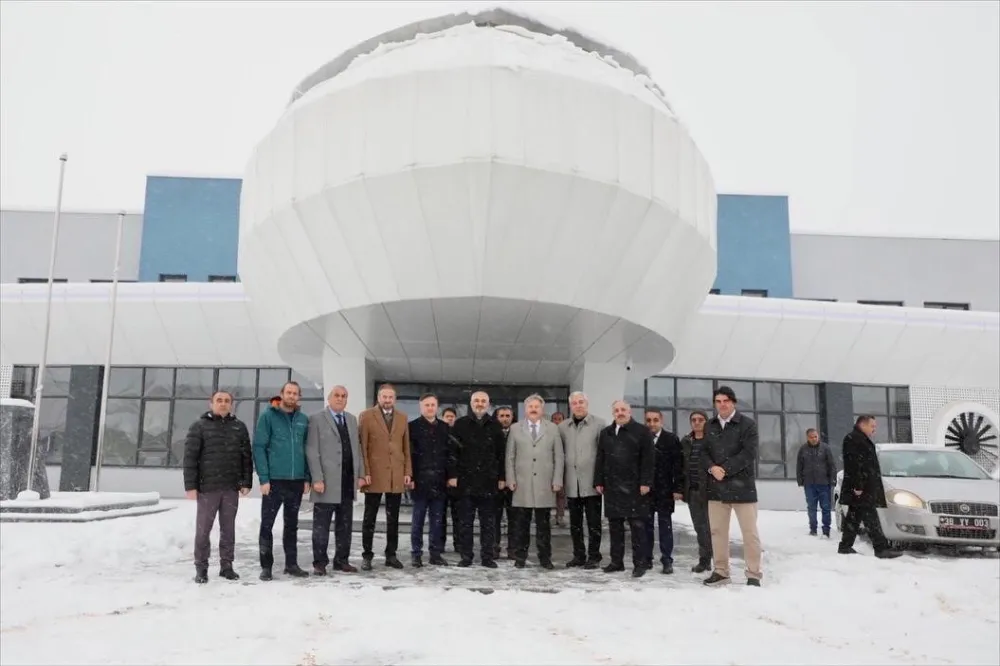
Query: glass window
(245, 411)
(796, 426)
(195, 383)
(52, 429)
(902, 431)
(121, 431)
(186, 412)
(154, 458)
(125, 383)
(771, 470)
(638, 413)
(769, 396)
(241, 382)
(899, 402)
(769, 430)
(314, 406)
(635, 387)
(159, 383)
(22, 382)
(56, 382)
(743, 391)
(660, 392)
(310, 389)
(869, 400)
(801, 398)
(155, 425)
(271, 381)
(694, 393)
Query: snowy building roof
(613, 58)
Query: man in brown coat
(385, 450)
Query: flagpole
(40, 373)
(103, 419)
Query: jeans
(224, 503)
(342, 517)
(372, 503)
(421, 507)
(286, 495)
(666, 537)
(522, 533)
(818, 494)
(469, 507)
(637, 527)
(591, 507)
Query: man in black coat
(730, 458)
(218, 468)
(476, 469)
(667, 481)
(694, 488)
(623, 474)
(862, 490)
(449, 416)
(429, 486)
(505, 415)
(816, 473)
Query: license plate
(963, 522)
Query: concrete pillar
(603, 383)
(352, 374)
(82, 417)
(837, 416)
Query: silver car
(935, 496)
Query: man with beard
(429, 444)
(862, 490)
(477, 471)
(693, 488)
(505, 415)
(579, 436)
(623, 474)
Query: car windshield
(930, 465)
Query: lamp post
(29, 493)
(103, 419)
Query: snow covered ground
(120, 592)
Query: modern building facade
(524, 218)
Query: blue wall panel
(754, 247)
(190, 227)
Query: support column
(352, 374)
(82, 416)
(603, 383)
(837, 416)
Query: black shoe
(366, 564)
(295, 571)
(715, 580)
(846, 551)
(438, 561)
(345, 567)
(510, 554)
(702, 566)
(576, 562)
(826, 533)
(887, 554)
(753, 582)
(393, 562)
(639, 571)
(417, 562)
(812, 532)
(668, 569)
(592, 564)
(520, 564)
(201, 576)
(465, 563)
(228, 574)
(614, 567)
(319, 570)
(265, 574)
(490, 564)
(546, 564)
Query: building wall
(191, 228)
(911, 270)
(753, 245)
(86, 249)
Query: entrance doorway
(457, 397)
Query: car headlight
(904, 498)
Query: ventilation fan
(975, 436)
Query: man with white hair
(579, 435)
(476, 469)
(534, 475)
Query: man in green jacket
(279, 454)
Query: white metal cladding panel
(926, 401)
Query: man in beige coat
(385, 450)
(535, 474)
(579, 435)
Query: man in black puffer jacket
(218, 468)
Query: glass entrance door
(457, 397)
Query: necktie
(340, 420)
(534, 431)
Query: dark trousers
(435, 506)
(452, 514)
(591, 507)
(372, 503)
(637, 526)
(224, 503)
(504, 499)
(469, 508)
(286, 496)
(818, 494)
(698, 506)
(522, 532)
(867, 515)
(665, 534)
(342, 517)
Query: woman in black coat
(862, 490)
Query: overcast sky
(875, 118)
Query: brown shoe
(345, 567)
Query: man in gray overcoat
(336, 468)
(579, 434)
(534, 473)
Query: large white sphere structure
(478, 198)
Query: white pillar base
(603, 383)
(352, 374)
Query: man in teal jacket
(279, 454)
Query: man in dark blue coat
(429, 486)
(667, 486)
